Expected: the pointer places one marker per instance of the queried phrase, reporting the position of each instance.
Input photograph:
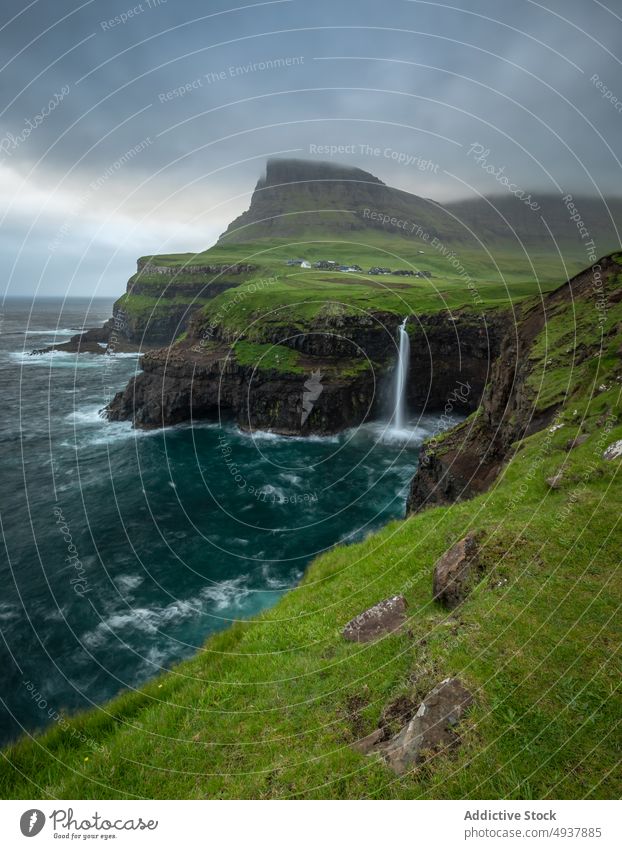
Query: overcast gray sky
(203, 92)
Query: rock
(383, 618)
(432, 729)
(395, 715)
(366, 744)
(600, 421)
(577, 441)
(456, 571)
(614, 451)
(555, 481)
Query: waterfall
(401, 372)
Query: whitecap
(87, 415)
(60, 331)
(270, 436)
(110, 433)
(228, 593)
(271, 581)
(149, 620)
(276, 491)
(293, 479)
(127, 583)
(9, 612)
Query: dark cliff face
(183, 384)
(322, 395)
(453, 353)
(161, 300)
(465, 462)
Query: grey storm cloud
(206, 91)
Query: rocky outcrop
(94, 341)
(183, 383)
(158, 306)
(146, 267)
(433, 728)
(451, 358)
(386, 617)
(161, 300)
(456, 572)
(464, 462)
(431, 731)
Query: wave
(224, 595)
(269, 436)
(70, 358)
(291, 479)
(87, 415)
(57, 331)
(110, 433)
(276, 491)
(276, 583)
(126, 583)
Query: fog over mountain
(130, 130)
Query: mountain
(298, 198)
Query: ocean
(123, 550)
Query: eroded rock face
(432, 729)
(456, 572)
(383, 618)
(181, 384)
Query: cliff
(466, 461)
(285, 706)
(264, 384)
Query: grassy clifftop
(273, 293)
(270, 708)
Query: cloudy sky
(128, 129)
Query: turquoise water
(124, 550)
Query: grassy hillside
(294, 296)
(270, 708)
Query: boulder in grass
(433, 729)
(577, 441)
(614, 451)
(366, 744)
(555, 481)
(456, 572)
(383, 618)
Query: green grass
(268, 357)
(269, 708)
(298, 297)
(280, 358)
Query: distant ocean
(123, 550)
